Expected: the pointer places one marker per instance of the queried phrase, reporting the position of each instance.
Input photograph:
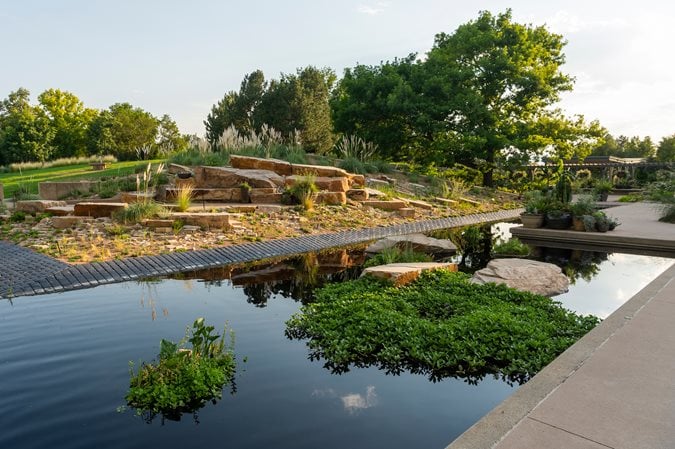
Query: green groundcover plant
(183, 379)
(440, 325)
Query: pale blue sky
(179, 57)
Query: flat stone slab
(61, 211)
(357, 194)
(385, 205)
(331, 198)
(404, 273)
(94, 209)
(66, 222)
(446, 201)
(174, 169)
(418, 242)
(226, 177)
(135, 197)
(319, 170)
(37, 206)
(420, 204)
(526, 275)
(407, 212)
(204, 194)
(255, 163)
(205, 220)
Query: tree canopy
(483, 92)
(294, 103)
(666, 150)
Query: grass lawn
(30, 178)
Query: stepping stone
(404, 273)
(447, 201)
(60, 211)
(66, 222)
(420, 204)
(357, 194)
(205, 220)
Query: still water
(64, 368)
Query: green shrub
(136, 212)
(304, 191)
(184, 379)
(18, 216)
(353, 165)
(441, 325)
(397, 255)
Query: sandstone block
(158, 223)
(357, 194)
(95, 209)
(61, 211)
(225, 177)
(319, 170)
(204, 219)
(37, 206)
(340, 184)
(189, 182)
(174, 169)
(420, 204)
(357, 180)
(407, 212)
(53, 190)
(135, 197)
(404, 273)
(264, 198)
(524, 274)
(199, 194)
(255, 163)
(332, 198)
(65, 222)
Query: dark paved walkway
(24, 272)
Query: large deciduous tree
(25, 134)
(69, 121)
(121, 130)
(666, 150)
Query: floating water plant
(183, 379)
(441, 325)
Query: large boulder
(526, 275)
(319, 170)
(226, 177)
(256, 163)
(404, 273)
(418, 242)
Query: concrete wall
(59, 190)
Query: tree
(491, 80)
(666, 151)
(69, 121)
(299, 102)
(121, 130)
(624, 146)
(169, 138)
(236, 108)
(25, 134)
(377, 103)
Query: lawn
(29, 179)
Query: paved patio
(614, 387)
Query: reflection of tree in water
(576, 264)
(474, 245)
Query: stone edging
(493, 427)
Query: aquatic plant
(184, 379)
(397, 255)
(441, 325)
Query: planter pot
(563, 221)
(603, 196)
(578, 224)
(602, 227)
(532, 220)
(184, 175)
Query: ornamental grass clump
(184, 379)
(441, 325)
(184, 196)
(304, 191)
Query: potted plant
(582, 207)
(602, 189)
(558, 217)
(588, 222)
(535, 210)
(603, 223)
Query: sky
(180, 57)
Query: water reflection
(351, 402)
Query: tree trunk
(487, 173)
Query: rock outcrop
(526, 275)
(226, 177)
(418, 242)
